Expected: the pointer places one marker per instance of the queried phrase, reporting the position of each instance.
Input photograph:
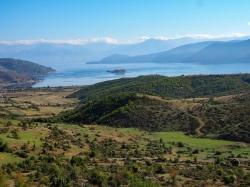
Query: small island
(117, 71)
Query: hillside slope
(158, 103)
(171, 87)
(225, 117)
(24, 67)
(132, 110)
(15, 71)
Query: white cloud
(143, 38)
(195, 36)
(213, 36)
(67, 41)
(111, 40)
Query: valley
(73, 136)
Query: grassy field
(34, 135)
(165, 158)
(207, 147)
(9, 158)
(37, 136)
(204, 143)
(37, 103)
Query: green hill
(131, 110)
(227, 118)
(171, 87)
(224, 117)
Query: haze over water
(69, 74)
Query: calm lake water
(85, 74)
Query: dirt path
(201, 125)
(198, 119)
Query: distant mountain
(153, 46)
(15, 71)
(223, 52)
(203, 52)
(157, 50)
(51, 53)
(175, 55)
(114, 58)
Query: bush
(229, 179)
(22, 154)
(3, 146)
(77, 160)
(97, 178)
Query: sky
(124, 20)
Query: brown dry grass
(38, 103)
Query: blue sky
(122, 19)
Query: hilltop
(170, 87)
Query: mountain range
(201, 52)
(47, 53)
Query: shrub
(97, 178)
(229, 179)
(3, 146)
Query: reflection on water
(85, 74)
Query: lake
(69, 74)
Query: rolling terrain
(193, 105)
(211, 117)
(170, 87)
(51, 153)
(128, 132)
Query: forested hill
(219, 105)
(131, 110)
(170, 87)
(225, 117)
